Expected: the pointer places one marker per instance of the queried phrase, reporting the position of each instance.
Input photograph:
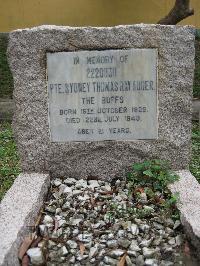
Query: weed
(151, 179)
(9, 159)
(195, 160)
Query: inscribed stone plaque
(102, 95)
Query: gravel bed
(90, 222)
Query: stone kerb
(27, 57)
(18, 212)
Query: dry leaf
(186, 249)
(82, 248)
(39, 217)
(36, 242)
(24, 246)
(139, 189)
(122, 261)
(25, 261)
(107, 192)
(55, 225)
(93, 202)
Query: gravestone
(92, 101)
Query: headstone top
(170, 118)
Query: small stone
(75, 232)
(172, 241)
(166, 263)
(148, 208)
(143, 197)
(51, 209)
(128, 261)
(151, 262)
(56, 195)
(111, 236)
(125, 243)
(132, 253)
(80, 257)
(63, 251)
(99, 224)
(61, 189)
(57, 182)
(116, 227)
(110, 261)
(42, 244)
(138, 221)
(43, 230)
(112, 243)
(58, 210)
(118, 182)
(70, 181)
(140, 260)
(76, 221)
(168, 250)
(81, 184)
(72, 244)
(53, 255)
(162, 233)
(73, 251)
(67, 190)
(157, 241)
(93, 251)
(77, 192)
(36, 256)
(67, 232)
(116, 253)
(144, 227)
(57, 233)
(72, 260)
(146, 243)
(169, 231)
(158, 226)
(51, 244)
(83, 198)
(120, 233)
(92, 260)
(126, 225)
(101, 253)
(66, 206)
(47, 219)
(106, 188)
(179, 240)
(93, 183)
(85, 237)
(176, 224)
(61, 223)
(134, 229)
(148, 252)
(88, 245)
(134, 246)
(169, 222)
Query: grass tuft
(9, 159)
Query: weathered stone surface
(189, 192)
(18, 210)
(27, 57)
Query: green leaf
(148, 173)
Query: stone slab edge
(189, 193)
(104, 159)
(18, 210)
